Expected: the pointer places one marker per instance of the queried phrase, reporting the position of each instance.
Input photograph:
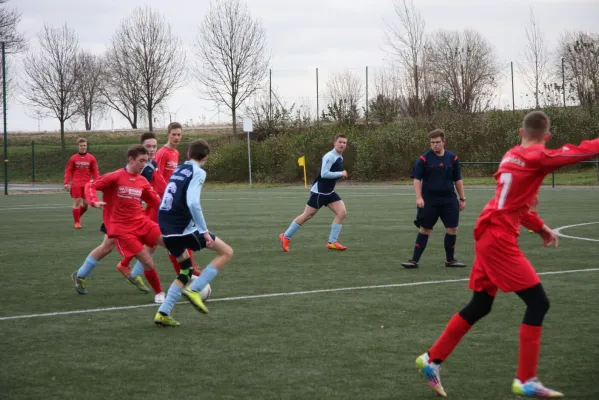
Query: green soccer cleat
(195, 299)
(138, 283)
(534, 388)
(165, 320)
(79, 283)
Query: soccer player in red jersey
(81, 168)
(167, 160)
(499, 262)
(129, 225)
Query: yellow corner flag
(302, 163)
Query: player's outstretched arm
(570, 154)
(194, 191)
(100, 184)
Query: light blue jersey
(330, 172)
(180, 211)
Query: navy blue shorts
(317, 200)
(103, 229)
(448, 212)
(195, 241)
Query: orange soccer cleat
(336, 246)
(77, 225)
(126, 271)
(284, 242)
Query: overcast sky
(332, 35)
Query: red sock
(449, 339)
(175, 263)
(153, 279)
(76, 215)
(530, 347)
(126, 262)
(82, 210)
(191, 256)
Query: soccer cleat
(534, 388)
(197, 270)
(77, 225)
(159, 298)
(126, 271)
(410, 264)
(79, 283)
(165, 320)
(431, 372)
(138, 282)
(195, 299)
(284, 242)
(454, 264)
(336, 246)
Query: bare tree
(14, 43)
(580, 52)
(465, 67)
(232, 55)
(344, 91)
(90, 81)
(151, 68)
(51, 76)
(405, 41)
(534, 68)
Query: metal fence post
(32, 161)
(553, 179)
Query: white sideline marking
(265, 296)
(558, 232)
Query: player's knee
(425, 231)
(341, 213)
(452, 231)
(480, 306)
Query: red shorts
(499, 264)
(130, 243)
(77, 192)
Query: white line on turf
(269, 295)
(558, 232)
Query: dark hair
(198, 150)
(173, 125)
(340, 135)
(136, 150)
(437, 133)
(145, 136)
(535, 124)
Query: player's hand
(420, 202)
(462, 205)
(98, 204)
(344, 174)
(67, 186)
(549, 237)
(208, 238)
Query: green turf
(358, 344)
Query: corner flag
(302, 163)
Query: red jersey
(125, 192)
(166, 161)
(519, 178)
(81, 167)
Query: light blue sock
(208, 274)
(87, 267)
(292, 229)
(138, 268)
(173, 295)
(335, 231)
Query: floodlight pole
(248, 128)
(4, 114)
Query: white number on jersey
(506, 179)
(167, 199)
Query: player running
(435, 173)
(183, 227)
(499, 263)
(81, 168)
(128, 224)
(323, 194)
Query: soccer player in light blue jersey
(183, 227)
(323, 194)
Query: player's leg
(79, 277)
(76, 204)
(124, 266)
(310, 210)
(450, 216)
(526, 382)
(338, 207)
(426, 218)
(83, 205)
(151, 275)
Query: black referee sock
(421, 241)
(449, 247)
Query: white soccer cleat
(159, 298)
(431, 372)
(534, 388)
